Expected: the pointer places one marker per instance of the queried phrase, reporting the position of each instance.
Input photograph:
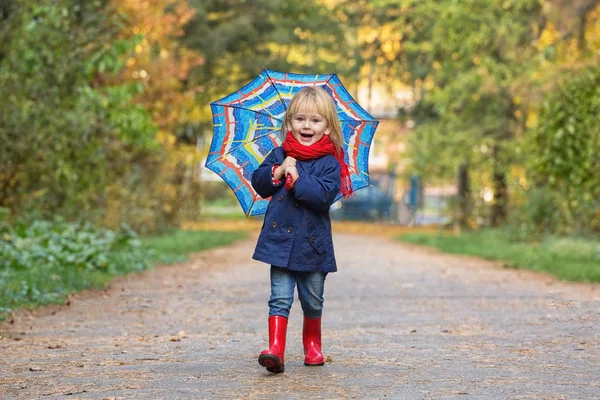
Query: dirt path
(399, 322)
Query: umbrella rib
(222, 156)
(275, 87)
(248, 109)
(251, 205)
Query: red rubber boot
(272, 359)
(311, 338)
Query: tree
(463, 60)
(566, 140)
(159, 186)
(60, 134)
(238, 41)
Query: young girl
(296, 235)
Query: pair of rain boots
(272, 359)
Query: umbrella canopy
(247, 127)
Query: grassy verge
(42, 262)
(566, 258)
(175, 247)
(225, 209)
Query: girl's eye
(316, 121)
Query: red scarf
(294, 148)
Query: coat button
(280, 198)
(313, 239)
(290, 230)
(274, 224)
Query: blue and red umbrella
(247, 126)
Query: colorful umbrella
(247, 127)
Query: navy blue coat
(296, 231)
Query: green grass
(568, 259)
(222, 210)
(222, 215)
(40, 285)
(226, 208)
(175, 247)
(43, 262)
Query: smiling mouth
(306, 135)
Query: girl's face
(308, 127)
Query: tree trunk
(463, 198)
(582, 13)
(500, 190)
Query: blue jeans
(310, 291)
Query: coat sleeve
(318, 191)
(262, 180)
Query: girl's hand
(288, 162)
(290, 177)
(290, 172)
(279, 172)
(293, 172)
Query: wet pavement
(400, 322)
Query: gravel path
(400, 322)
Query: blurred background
(489, 109)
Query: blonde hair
(313, 98)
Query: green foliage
(566, 258)
(64, 134)
(246, 39)
(130, 121)
(79, 122)
(238, 40)
(4, 213)
(109, 58)
(462, 60)
(41, 262)
(540, 213)
(564, 148)
(477, 69)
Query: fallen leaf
(71, 393)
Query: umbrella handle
(289, 183)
